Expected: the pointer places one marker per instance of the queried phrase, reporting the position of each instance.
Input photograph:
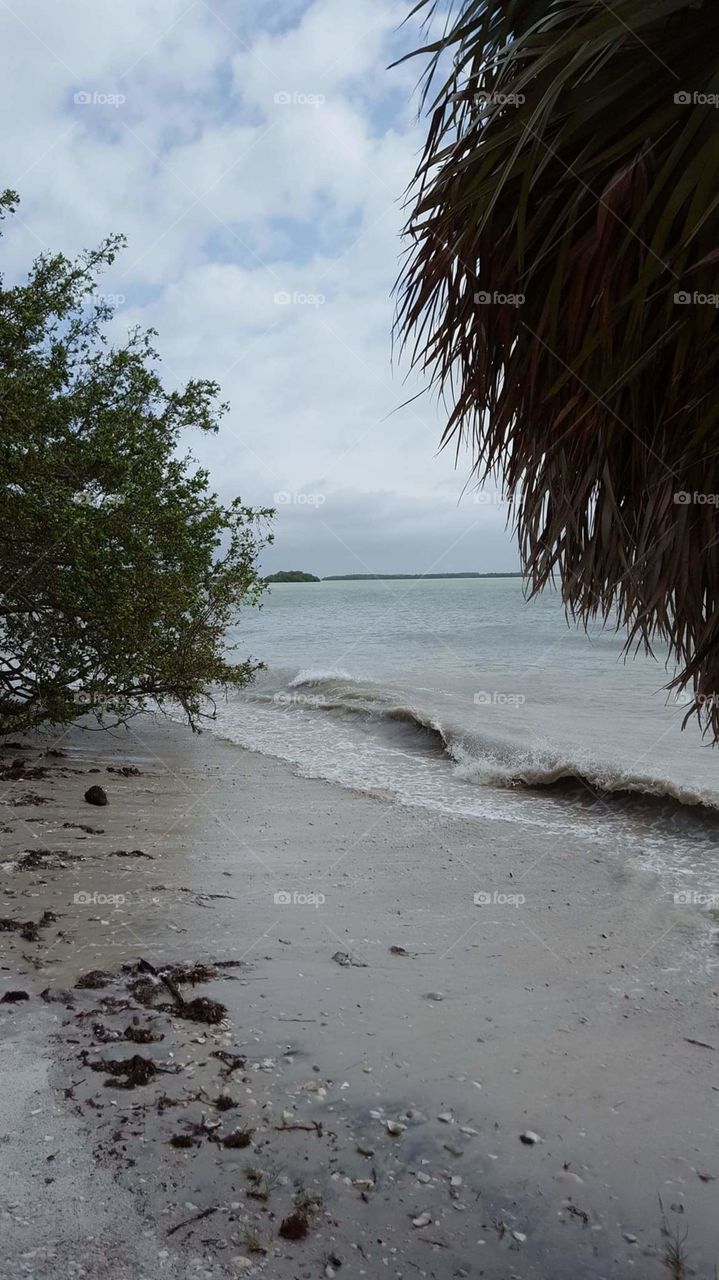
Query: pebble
(395, 1128)
(423, 1220)
(520, 1236)
(434, 995)
(529, 1138)
(446, 1117)
(424, 1178)
(630, 1239)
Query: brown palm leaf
(561, 286)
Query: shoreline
(581, 1014)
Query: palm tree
(560, 289)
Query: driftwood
(200, 1009)
(189, 1221)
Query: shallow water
(462, 696)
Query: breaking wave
(483, 759)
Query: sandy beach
(428, 1058)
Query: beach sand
(387, 1040)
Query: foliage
(120, 569)
(291, 575)
(561, 288)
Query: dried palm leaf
(560, 289)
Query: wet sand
(385, 1040)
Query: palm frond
(560, 290)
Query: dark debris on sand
(96, 795)
(238, 1139)
(46, 859)
(224, 1102)
(30, 797)
(142, 1035)
(94, 980)
(58, 995)
(145, 991)
(183, 1140)
(19, 769)
(201, 1009)
(29, 931)
(296, 1226)
(190, 973)
(134, 1010)
(128, 1073)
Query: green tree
(291, 575)
(120, 570)
(561, 290)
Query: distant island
(382, 577)
(296, 575)
(292, 575)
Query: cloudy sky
(255, 154)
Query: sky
(255, 154)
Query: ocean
(464, 697)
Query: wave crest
(479, 758)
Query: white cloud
(228, 198)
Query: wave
(479, 758)
(600, 779)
